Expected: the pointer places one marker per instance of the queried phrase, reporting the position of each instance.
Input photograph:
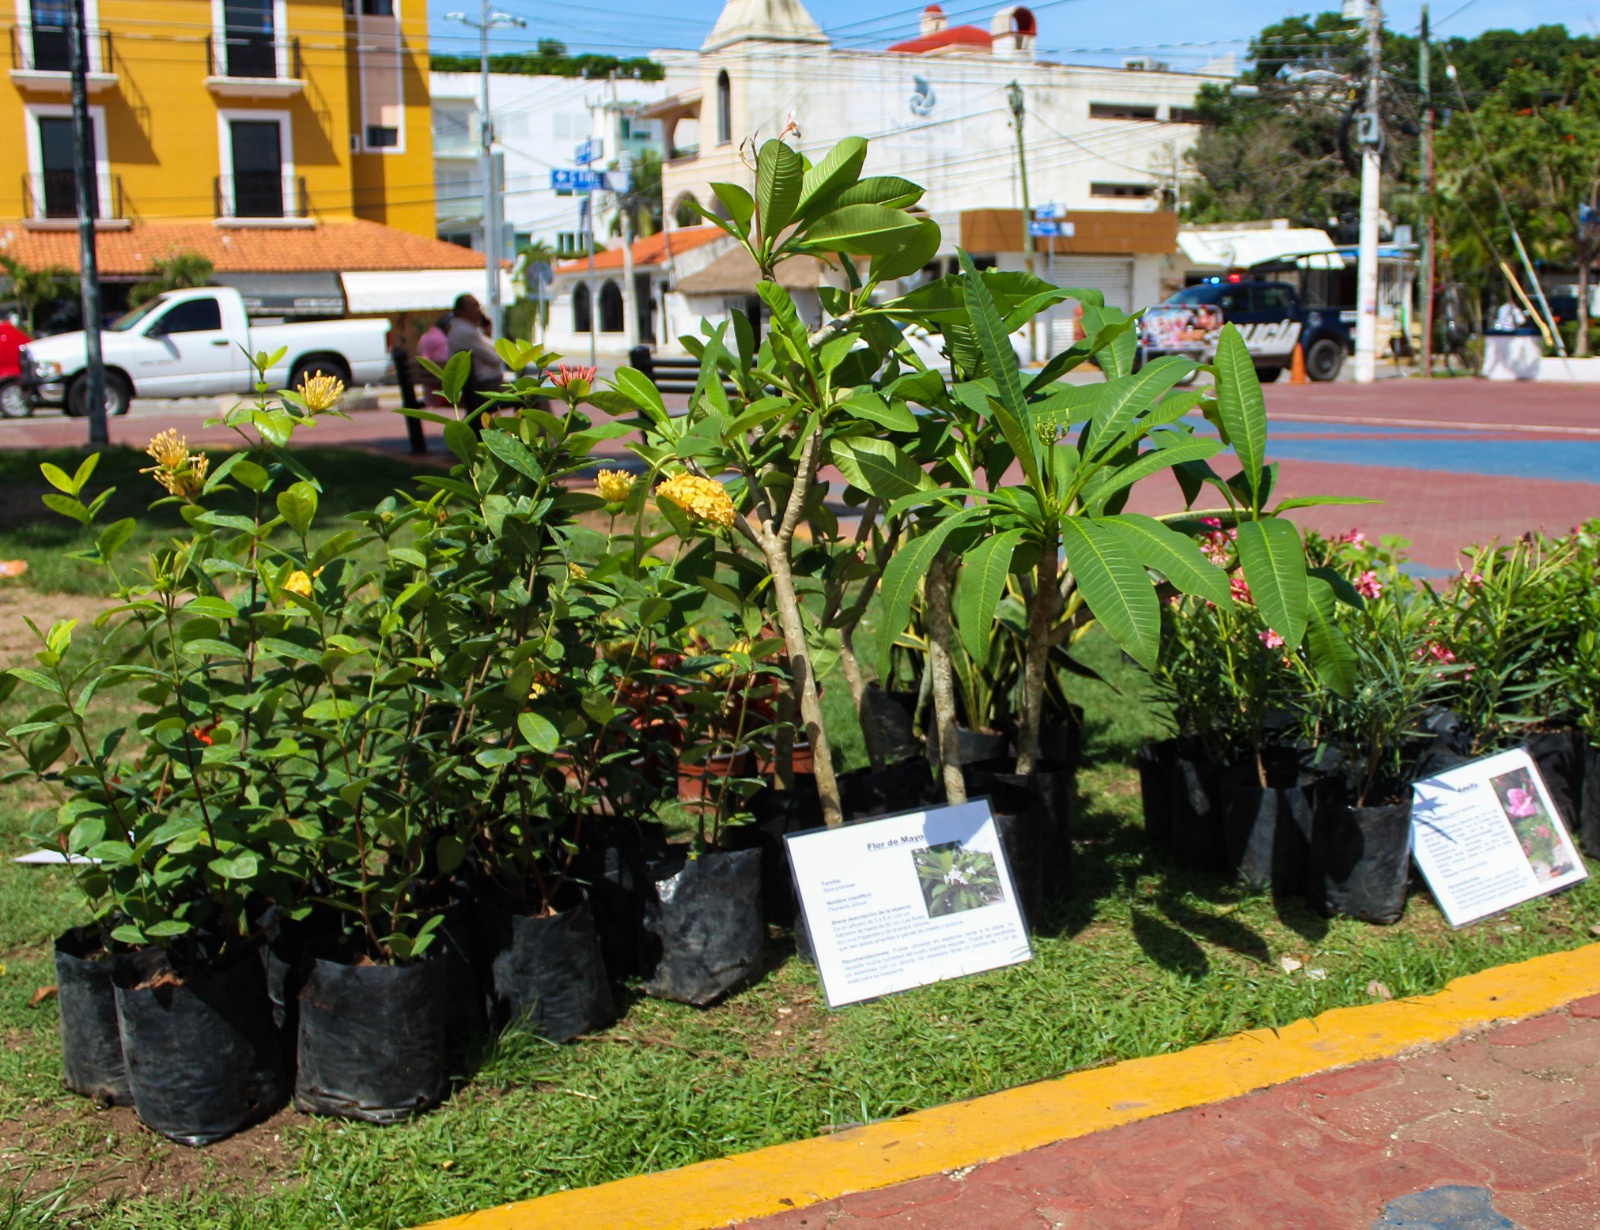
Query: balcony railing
(48, 49)
(680, 152)
(53, 195)
(260, 194)
(254, 55)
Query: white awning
(416, 290)
(1242, 249)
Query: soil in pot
(704, 921)
(547, 974)
(1559, 756)
(1360, 859)
(91, 1040)
(203, 1056)
(699, 782)
(372, 1039)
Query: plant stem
(944, 695)
(1036, 654)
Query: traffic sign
(1052, 212)
(1047, 229)
(563, 179)
(591, 150)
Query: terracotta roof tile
(341, 246)
(651, 250)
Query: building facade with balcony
(538, 124)
(215, 117)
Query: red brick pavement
(1515, 1110)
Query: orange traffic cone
(1297, 369)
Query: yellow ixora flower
(298, 583)
(577, 572)
(321, 392)
(613, 486)
(702, 498)
(181, 472)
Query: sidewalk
(1507, 1120)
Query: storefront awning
(1245, 249)
(425, 290)
(287, 294)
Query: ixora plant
(928, 456)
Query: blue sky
(1187, 33)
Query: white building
(937, 109)
(538, 124)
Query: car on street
(1270, 317)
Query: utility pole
(1366, 370)
(624, 197)
(1425, 81)
(88, 186)
(1014, 96)
(488, 19)
(594, 296)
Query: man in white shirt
(466, 333)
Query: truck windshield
(1206, 292)
(134, 315)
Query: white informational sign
(1487, 837)
(907, 900)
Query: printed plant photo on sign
(1548, 855)
(954, 878)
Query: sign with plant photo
(1487, 837)
(907, 900)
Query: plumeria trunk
(944, 692)
(1042, 606)
(871, 735)
(805, 683)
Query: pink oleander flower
(1271, 639)
(1473, 579)
(1355, 538)
(1240, 588)
(1368, 585)
(1211, 523)
(1439, 653)
(1520, 803)
(1543, 830)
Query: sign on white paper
(1487, 837)
(907, 900)
(54, 858)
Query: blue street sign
(589, 151)
(564, 180)
(1043, 229)
(1053, 212)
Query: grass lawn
(1140, 959)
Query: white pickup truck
(192, 343)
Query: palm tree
(175, 271)
(31, 287)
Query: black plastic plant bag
(704, 917)
(372, 1040)
(1268, 833)
(547, 974)
(1559, 756)
(203, 1056)
(1157, 765)
(1589, 803)
(1198, 840)
(1360, 860)
(91, 1040)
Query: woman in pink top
(434, 345)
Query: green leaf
(917, 248)
(115, 536)
(298, 506)
(214, 608)
(539, 731)
(59, 479)
(1332, 656)
(1174, 555)
(1010, 410)
(1124, 399)
(67, 506)
(983, 579)
(165, 929)
(450, 852)
(891, 414)
(513, 452)
(739, 204)
(1115, 586)
(1242, 410)
(879, 468)
(905, 571)
(453, 376)
(837, 171)
(780, 177)
(1274, 563)
(494, 757)
(1321, 501)
(209, 647)
(870, 230)
(332, 710)
(889, 190)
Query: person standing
(468, 332)
(434, 346)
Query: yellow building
(282, 127)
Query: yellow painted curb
(928, 1142)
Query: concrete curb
(944, 1138)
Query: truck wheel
(1268, 374)
(307, 368)
(14, 403)
(1324, 359)
(118, 395)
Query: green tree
(1535, 141)
(32, 287)
(174, 271)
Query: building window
(52, 52)
(58, 173)
(582, 318)
(250, 38)
(379, 137)
(256, 170)
(1185, 115)
(1122, 111)
(377, 8)
(724, 109)
(1122, 190)
(686, 210)
(611, 308)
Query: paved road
(1493, 1132)
(1455, 462)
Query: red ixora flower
(566, 373)
(203, 733)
